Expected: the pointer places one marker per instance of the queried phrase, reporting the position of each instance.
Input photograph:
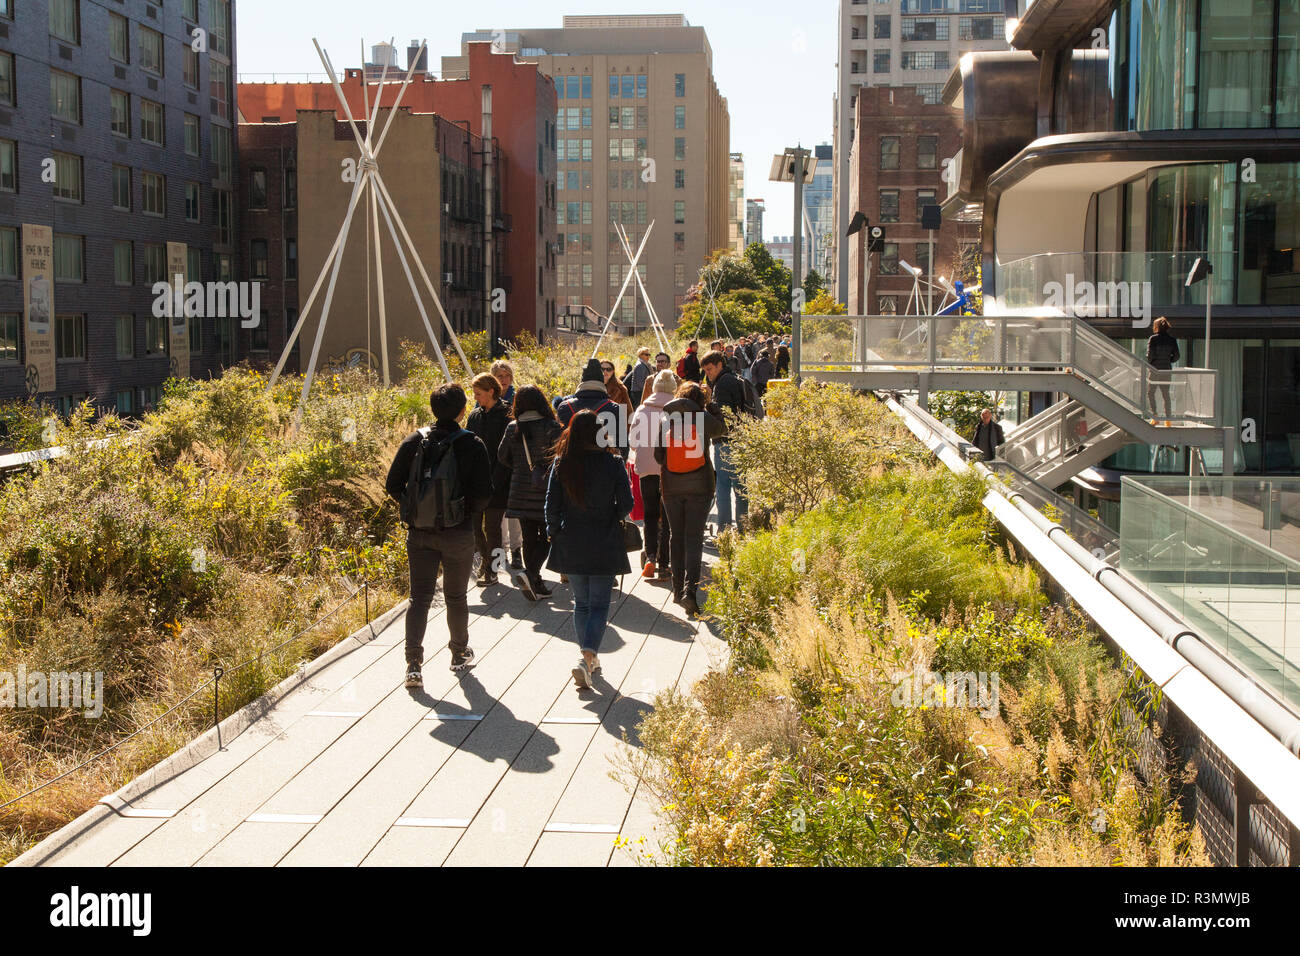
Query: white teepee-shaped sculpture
(370, 178)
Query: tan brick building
(643, 135)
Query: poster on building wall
(179, 327)
(38, 307)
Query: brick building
(137, 129)
(524, 137)
(296, 200)
(896, 167)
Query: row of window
(70, 337)
(889, 203)
(628, 86)
(936, 28)
(258, 195)
(580, 243)
(65, 24)
(70, 259)
(927, 152)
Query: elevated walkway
(1113, 397)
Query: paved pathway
(507, 765)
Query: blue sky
(774, 62)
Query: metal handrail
(214, 682)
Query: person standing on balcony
(1162, 353)
(988, 435)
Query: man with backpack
(442, 478)
(735, 397)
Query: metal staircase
(1113, 397)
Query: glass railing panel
(1093, 284)
(829, 341)
(1036, 342)
(967, 340)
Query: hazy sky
(775, 67)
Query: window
(922, 260)
(190, 57)
(193, 197)
(261, 336)
(219, 89)
(679, 243)
(882, 26)
(260, 259)
(642, 86)
(70, 337)
(151, 122)
(980, 28)
(291, 188)
(119, 113)
(190, 10)
(67, 177)
(155, 335)
(679, 212)
(586, 87)
(927, 152)
(121, 187)
(219, 22)
(119, 38)
(194, 268)
(291, 258)
(7, 92)
(154, 193)
(65, 20)
(930, 93)
(9, 338)
(629, 87)
(151, 50)
(191, 135)
(679, 117)
(613, 86)
(8, 252)
(155, 263)
(924, 197)
(679, 85)
(125, 404)
(679, 179)
(679, 275)
(257, 189)
(887, 304)
(8, 166)
(889, 150)
(888, 205)
(889, 259)
(221, 155)
(679, 149)
(925, 60)
(65, 96)
(925, 28)
(880, 61)
(123, 263)
(125, 338)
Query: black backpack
(434, 499)
(753, 404)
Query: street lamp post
(792, 166)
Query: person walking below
(988, 435)
(636, 379)
(488, 421)
(688, 366)
(729, 399)
(764, 372)
(526, 451)
(687, 482)
(645, 434)
(442, 478)
(663, 363)
(1162, 353)
(587, 498)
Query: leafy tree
(813, 285)
(772, 274)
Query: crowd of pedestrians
(533, 482)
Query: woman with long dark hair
(488, 421)
(587, 498)
(527, 449)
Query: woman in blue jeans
(587, 497)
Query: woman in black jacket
(488, 421)
(687, 482)
(526, 452)
(782, 362)
(1162, 353)
(587, 498)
